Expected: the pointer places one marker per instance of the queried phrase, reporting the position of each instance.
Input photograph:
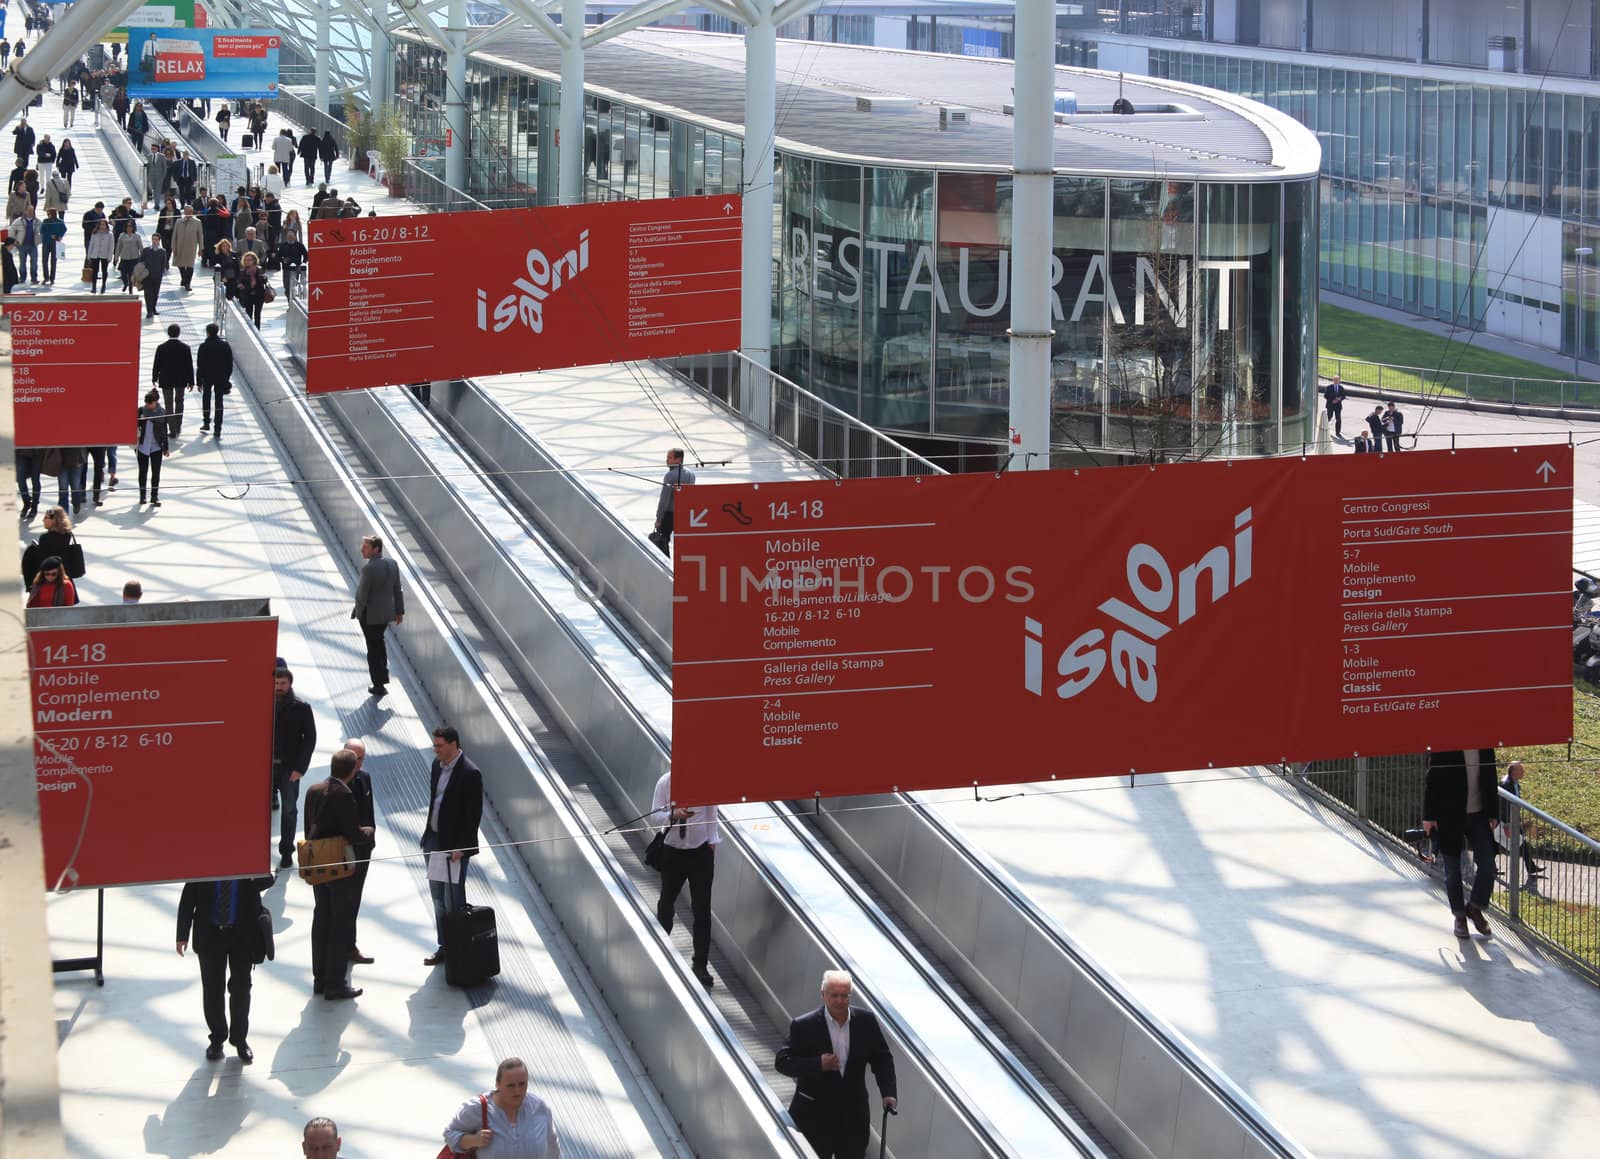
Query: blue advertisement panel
(179, 63)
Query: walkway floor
(391, 1066)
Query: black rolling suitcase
(471, 946)
(248, 141)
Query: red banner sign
(153, 749)
(858, 637)
(75, 367)
(443, 295)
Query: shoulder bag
(655, 854)
(446, 1153)
(140, 273)
(73, 560)
(325, 859)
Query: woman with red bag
(505, 1123)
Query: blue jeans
(28, 261)
(288, 810)
(448, 895)
(1479, 837)
(73, 481)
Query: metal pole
(1032, 228)
(324, 54)
(455, 97)
(380, 61)
(82, 25)
(760, 120)
(1580, 253)
(1513, 859)
(570, 160)
(1363, 788)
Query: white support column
(1032, 228)
(569, 155)
(455, 96)
(324, 54)
(760, 119)
(381, 59)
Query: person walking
(57, 192)
(689, 855)
(5, 52)
(172, 369)
(66, 466)
(508, 1122)
(28, 481)
(380, 601)
(214, 371)
(91, 219)
(99, 252)
(154, 259)
(45, 155)
(185, 173)
(328, 152)
(1512, 783)
(294, 742)
(320, 1139)
(67, 161)
(309, 145)
(119, 104)
(52, 241)
(331, 812)
(828, 1052)
(129, 245)
(677, 476)
(283, 153)
(367, 816)
(187, 237)
(24, 139)
(1375, 426)
(138, 126)
(1459, 807)
(1333, 398)
(25, 228)
(69, 106)
(10, 279)
(251, 288)
(152, 446)
(224, 121)
(224, 919)
(450, 838)
(104, 459)
(52, 587)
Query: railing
(835, 440)
(1430, 382)
(297, 318)
(1559, 909)
(305, 114)
(434, 193)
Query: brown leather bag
(325, 859)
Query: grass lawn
(1350, 334)
(1568, 790)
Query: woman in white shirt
(507, 1122)
(129, 246)
(273, 182)
(99, 252)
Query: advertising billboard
(162, 14)
(182, 63)
(75, 371)
(864, 636)
(152, 746)
(446, 295)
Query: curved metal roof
(1210, 135)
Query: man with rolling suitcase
(450, 839)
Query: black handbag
(655, 854)
(265, 950)
(73, 560)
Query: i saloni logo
(526, 301)
(1161, 602)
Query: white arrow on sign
(727, 207)
(698, 518)
(1545, 470)
(316, 292)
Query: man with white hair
(827, 1052)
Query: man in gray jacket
(677, 476)
(378, 601)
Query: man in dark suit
(331, 812)
(227, 941)
(172, 370)
(294, 740)
(828, 1052)
(1461, 806)
(367, 815)
(455, 807)
(379, 600)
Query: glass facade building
(1184, 307)
(1456, 194)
